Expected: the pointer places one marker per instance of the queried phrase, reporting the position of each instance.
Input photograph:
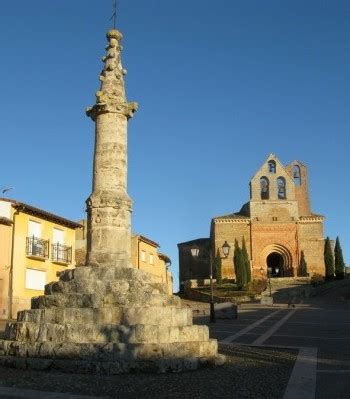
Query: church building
(281, 232)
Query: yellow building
(144, 256)
(34, 246)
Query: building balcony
(37, 248)
(61, 254)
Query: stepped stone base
(107, 320)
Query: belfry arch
(279, 259)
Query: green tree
(235, 254)
(328, 259)
(302, 265)
(217, 268)
(238, 260)
(246, 261)
(338, 260)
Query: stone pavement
(273, 352)
(319, 328)
(249, 373)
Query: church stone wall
(301, 191)
(264, 171)
(268, 211)
(312, 244)
(229, 231)
(194, 267)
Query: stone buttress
(108, 317)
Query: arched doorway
(275, 261)
(277, 256)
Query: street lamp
(269, 271)
(195, 252)
(226, 249)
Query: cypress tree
(302, 265)
(238, 260)
(246, 262)
(328, 259)
(235, 254)
(217, 268)
(338, 260)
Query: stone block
(146, 333)
(266, 300)
(181, 349)
(149, 351)
(225, 310)
(208, 348)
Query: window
(35, 279)
(281, 188)
(296, 175)
(143, 256)
(58, 236)
(264, 188)
(5, 209)
(151, 259)
(34, 229)
(272, 166)
(35, 246)
(59, 252)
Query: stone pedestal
(107, 320)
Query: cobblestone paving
(248, 373)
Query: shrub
(257, 286)
(316, 279)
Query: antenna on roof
(114, 15)
(5, 190)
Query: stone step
(163, 316)
(92, 273)
(91, 366)
(109, 352)
(120, 286)
(103, 333)
(98, 300)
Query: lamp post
(195, 252)
(269, 271)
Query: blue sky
(220, 85)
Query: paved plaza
(273, 352)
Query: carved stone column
(113, 318)
(109, 206)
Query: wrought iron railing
(37, 247)
(61, 253)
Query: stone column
(109, 205)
